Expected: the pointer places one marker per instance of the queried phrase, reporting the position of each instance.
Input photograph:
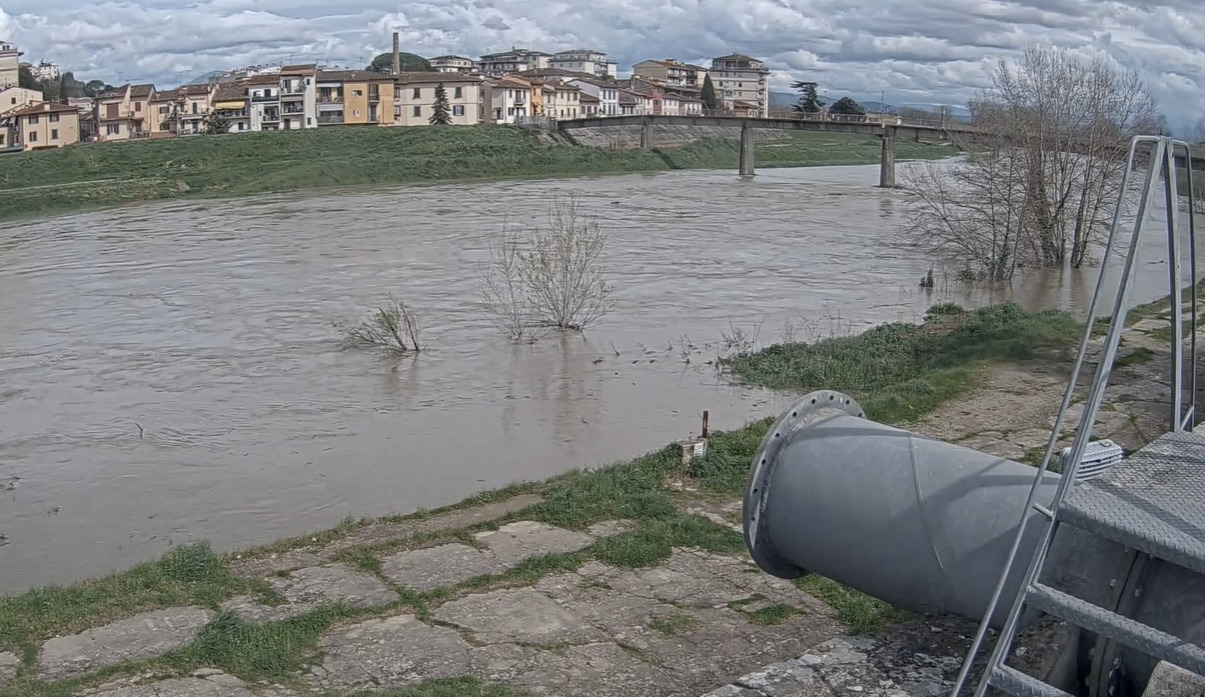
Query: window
(14, 100)
(33, 120)
(458, 110)
(54, 134)
(355, 112)
(163, 110)
(33, 137)
(418, 93)
(195, 107)
(418, 111)
(242, 125)
(165, 126)
(458, 93)
(309, 121)
(113, 129)
(137, 106)
(357, 93)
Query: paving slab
(519, 615)
(8, 666)
(514, 542)
(334, 583)
(434, 567)
(202, 683)
(249, 608)
(610, 528)
(139, 637)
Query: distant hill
(207, 78)
(784, 100)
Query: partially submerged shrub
(394, 327)
(549, 278)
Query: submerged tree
(216, 123)
(1042, 191)
(441, 112)
(809, 101)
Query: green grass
(675, 624)
(900, 371)
(858, 611)
(103, 174)
(772, 615)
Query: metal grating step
(1018, 684)
(1130, 632)
(1153, 501)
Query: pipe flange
(814, 407)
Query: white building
(584, 61)
(513, 61)
(607, 94)
(453, 64)
(263, 93)
(44, 71)
(298, 97)
(738, 77)
(508, 99)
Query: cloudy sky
(913, 50)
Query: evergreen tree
(441, 113)
(215, 123)
(846, 105)
(809, 102)
(708, 94)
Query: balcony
(330, 98)
(293, 109)
(287, 96)
(292, 89)
(232, 113)
(374, 96)
(271, 117)
(265, 97)
(330, 120)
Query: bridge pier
(747, 152)
(646, 133)
(887, 159)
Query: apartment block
(508, 99)
(739, 78)
(13, 98)
(230, 102)
(414, 98)
(41, 126)
(513, 61)
(554, 99)
(298, 97)
(584, 61)
(453, 64)
(164, 107)
(671, 73)
(125, 113)
(263, 96)
(607, 94)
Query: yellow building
(14, 98)
(414, 98)
(125, 113)
(42, 126)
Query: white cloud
(933, 50)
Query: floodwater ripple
(169, 373)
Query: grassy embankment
(898, 371)
(103, 174)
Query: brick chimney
(397, 53)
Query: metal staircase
(1153, 502)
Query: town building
(671, 73)
(591, 106)
(41, 126)
(329, 98)
(414, 98)
(509, 99)
(194, 104)
(44, 71)
(13, 98)
(607, 94)
(125, 113)
(164, 107)
(453, 64)
(263, 95)
(739, 78)
(634, 104)
(513, 61)
(584, 61)
(368, 97)
(230, 104)
(10, 65)
(554, 99)
(299, 96)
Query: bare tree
(394, 327)
(1042, 192)
(504, 291)
(551, 277)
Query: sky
(911, 51)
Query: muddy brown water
(168, 372)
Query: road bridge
(944, 131)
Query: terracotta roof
(587, 97)
(141, 91)
(743, 105)
(598, 83)
(352, 76)
(450, 57)
(554, 72)
(672, 63)
(514, 81)
(304, 69)
(577, 50)
(196, 90)
(115, 93)
(736, 57)
(44, 108)
(167, 95)
(231, 91)
(516, 52)
(626, 97)
(272, 79)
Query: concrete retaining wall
(664, 136)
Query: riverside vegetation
(103, 174)
(899, 372)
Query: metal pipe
(924, 525)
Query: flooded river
(169, 373)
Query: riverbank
(633, 574)
(97, 175)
